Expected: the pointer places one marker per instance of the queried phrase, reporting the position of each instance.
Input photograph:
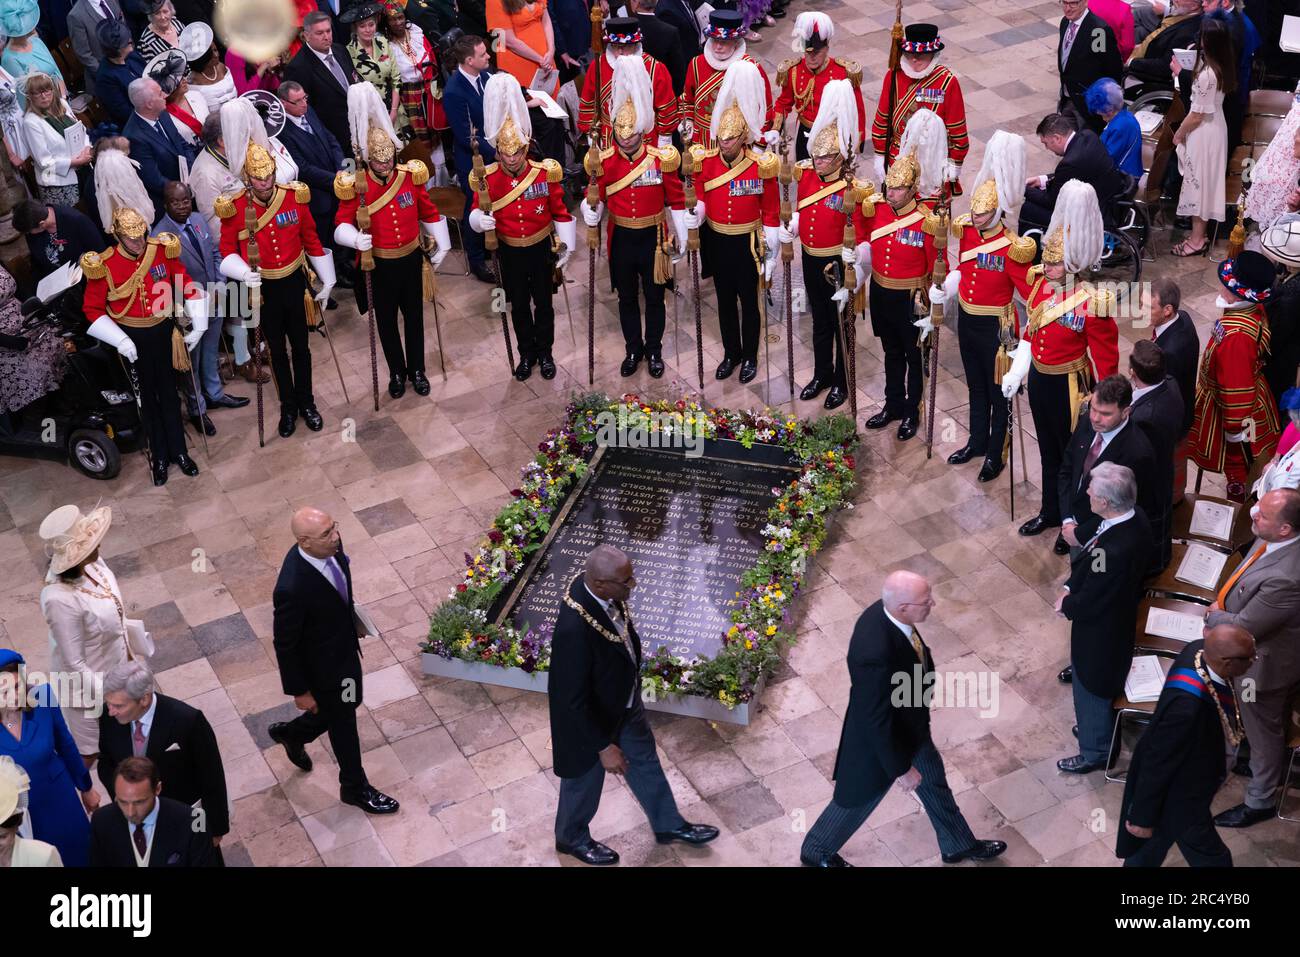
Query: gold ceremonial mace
(595, 171)
(937, 277)
(786, 176)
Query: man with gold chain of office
(802, 81)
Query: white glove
(1020, 360)
(441, 238)
(694, 217)
(664, 141)
(841, 296)
(235, 267)
(592, 216)
(197, 311)
(253, 280)
(951, 172)
(345, 234)
(480, 221)
(848, 256)
(880, 169)
(324, 266)
(769, 268)
(1237, 436)
(687, 131)
(788, 234)
(568, 232)
(109, 332)
(937, 295)
(925, 325)
(772, 138)
(864, 262)
(952, 284)
(770, 237)
(679, 229)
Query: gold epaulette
(960, 223)
(171, 244)
(768, 163)
(419, 173)
(930, 223)
(701, 152)
(92, 266)
(225, 203)
(852, 68)
(301, 191)
(869, 204)
(864, 186)
(1104, 303)
(1034, 274)
(554, 171)
(345, 185)
(607, 153)
(801, 167)
(669, 159)
(783, 71)
(1022, 248)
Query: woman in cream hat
(86, 615)
(18, 851)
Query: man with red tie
(802, 81)
(623, 38)
(724, 47)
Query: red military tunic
(142, 289)
(939, 91)
(902, 242)
(285, 229)
(397, 207)
(638, 188)
(667, 111)
(1065, 329)
(801, 90)
(820, 205)
(528, 206)
(701, 92)
(741, 197)
(994, 265)
(1231, 392)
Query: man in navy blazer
(319, 157)
(325, 70)
(156, 144)
(681, 14)
(462, 101)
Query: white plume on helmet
(838, 106)
(743, 84)
(926, 137)
(502, 98)
(241, 124)
(803, 29)
(631, 81)
(1079, 215)
(1004, 163)
(366, 112)
(117, 185)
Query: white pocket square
(174, 746)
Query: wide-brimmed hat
(361, 11)
(1281, 243)
(167, 69)
(195, 40)
(14, 785)
(1249, 276)
(71, 535)
(18, 17)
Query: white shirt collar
(299, 121)
(905, 629)
(322, 56)
(1081, 16)
(150, 821)
(1067, 144)
(1138, 393)
(1274, 546)
(473, 80)
(146, 719)
(1214, 677)
(316, 563)
(1160, 329)
(605, 605)
(1107, 523)
(1107, 436)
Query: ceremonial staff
(787, 257)
(843, 277)
(1011, 458)
(478, 182)
(937, 275)
(316, 322)
(850, 340)
(895, 58)
(431, 290)
(595, 170)
(692, 256)
(255, 306)
(367, 267)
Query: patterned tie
(141, 844)
(108, 14)
(333, 64)
(138, 740)
(336, 576)
(1090, 459)
(306, 126)
(1241, 570)
(1070, 33)
(915, 639)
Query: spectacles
(298, 102)
(625, 582)
(928, 603)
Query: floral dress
(1203, 159)
(26, 376)
(381, 71)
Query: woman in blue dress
(1122, 136)
(33, 733)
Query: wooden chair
(1140, 712)
(450, 201)
(1167, 586)
(1162, 148)
(1260, 128)
(1145, 643)
(1293, 745)
(72, 68)
(1269, 103)
(1180, 529)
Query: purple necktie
(336, 576)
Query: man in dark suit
(1157, 410)
(139, 722)
(83, 20)
(156, 145)
(55, 235)
(143, 828)
(462, 102)
(661, 40)
(1086, 51)
(316, 631)
(1180, 28)
(324, 69)
(1101, 599)
(886, 734)
(1178, 764)
(335, 8)
(1083, 157)
(681, 14)
(1175, 333)
(598, 723)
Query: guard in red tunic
(921, 83)
(802, 81)
(286, 238)
(400, 211)
(129, 305)
(1071, 341)
(724, 46)
(1236, 418)
(623, 38)
(992, 267)
(642, 189)
(530, 219)
(827, 197)
(738, 214)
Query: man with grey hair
(325, 70)
(886, 734)
(156, 145)
(138, 721)
(1101, 600)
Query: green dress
(380, 70)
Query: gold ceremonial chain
(608, 635)
(1234, 736)
(111, 596)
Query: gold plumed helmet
(258, 162)
(903, 172)
(128, 223)
(827, 142)
(732, 123)
(985, 199)
(1054, 247)
(509, 139)
(625, 120)
(379, 148)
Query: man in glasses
(597, 721)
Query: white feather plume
(838, 106)
(366, 110)
(632, 81)
(1004, 163)
(926, 136)
(241, 124)
(117, 184)
(803, 29)
(504, 97)
(743, 84)
(1078, 213)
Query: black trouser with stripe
(283, 319)
(526, 273)
(632, 269)
(891, 321)
(828, 354)
(160, 404)
(1049, 402)
(398, 285)
(730, 260)
(979, 338)
(801, 141)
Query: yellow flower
(771, 630)
(748, 644)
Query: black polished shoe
(203, 424)
(1243, 815)
(688, 834)
(312, 418)
(371, 800)
(298, 755)
(836, 397)
(655, 363)
(833, 861)
(813, 389)
(1037, 525)
(186, 465)
(397, 386)
(907, 428)
(1065, 676)
(881, 419)
(748, 370)
(1060, 546)
(159, 470)
(331, 304)
(1075, 731)
(288, 423)
(421, 383)
(546, 365)
(228, 401)
(725, 368)
(630, 363)
(344, 281)
(483, 274)
(1077, 764)
(990, 470)
(979, 851)
(524, 369)
(962, 455)
(593, 852)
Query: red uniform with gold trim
(142, 303)
(1066, 329)
(938, 91)
(994, 265)
(739, 197)
(701, 91)
(902, 242)
(526, 207)
(820, 205)
(286, 231)
(1232, 394)
(638, 188)
(397, 207)
(801, 90)
(667, 109)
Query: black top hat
(360, 11)
(623, 30)
(725, 25)
(1250, 276)
(921, 38)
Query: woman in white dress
(45, 125)
(18, 851)
(1201, 142)
(208, 73)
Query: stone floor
(413, 486)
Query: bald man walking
(886, 735)
(316, 645)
